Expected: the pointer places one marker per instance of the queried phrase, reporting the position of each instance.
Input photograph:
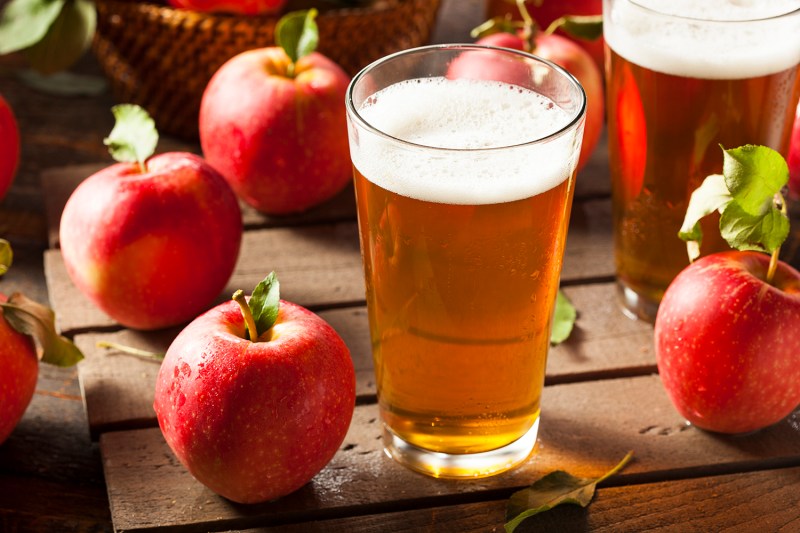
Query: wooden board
(586, 428)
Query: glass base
(636, 306)
(460, 466)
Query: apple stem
(247, 314)
(130, 350)
(773, 259)
(528, 25)
(143, 167)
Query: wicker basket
(162, 58)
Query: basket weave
(162, 58)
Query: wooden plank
(586, 428)
(118, 389)
(30, 504)
(756, 501)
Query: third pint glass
(464, 159)
(684, 77)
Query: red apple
(547, 11)
(242, 7)
(560, 51)
(254, 421)
(152, 248)
(280, 139)
(726, 342)
(9, 147)
(18, 378)
(794, 158)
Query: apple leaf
(265, 303)
(563, 319)
(67, 38)
(297, 34)
(23, 23)
(754, 175)
(6, 256)
(134, 137)
(588, 27)
(747, 196)
(554, 489)
(34, 319)
(712, 195)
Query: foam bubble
(483, 135)
(738, 46)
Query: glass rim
(353, 112)
(678, 16)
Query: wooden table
(88, 455)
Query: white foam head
(747, 38)
(464, 141)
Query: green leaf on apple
(589, 27)
(554, 489)
(297, 34)
(261, 312)
(23, 23)
(38, 321)
(563, 319)
(134, 137)
(747, 196)
(6, 256)
(265, 302)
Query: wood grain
(757, 501)
(586, 428)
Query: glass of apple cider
(464, 161)
(682, 78)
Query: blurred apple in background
(9, 147)
(254, 399)
(273, 123)
(560, 51)
(242, 7)
(153, 242)
(547, 11)
(794, 158)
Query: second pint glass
(464, 159)
(682, 78)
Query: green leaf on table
(297, 33)
(265, 303)
(747, 196)
(588, 27)
(134, 137)
(38, 321)
(6, 256)
(66, 40)
(554, 489)
(563, 319)
(712, 195)
(23, 23)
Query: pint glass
(464, 160)
(682, 79)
